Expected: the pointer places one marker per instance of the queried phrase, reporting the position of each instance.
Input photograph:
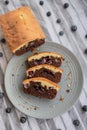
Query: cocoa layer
(43, 72)
(36, 89)
(46, 60)
(31, 45)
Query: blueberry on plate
(76, 122)
(41, 2)
(23, 119)
(6, 2)
(66, 5)
(84, 108)
(73, 28)
(48, 13)
(1, 54)
(1, 94)
(8, 110)
(85, 51)
(3, 40)
(61, 33)
(58, 20)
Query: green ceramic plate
(71, 85)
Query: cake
(44, 70)
(40, 87)
(51, 58)
(22, 30)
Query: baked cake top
(20, 26)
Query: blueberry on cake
(40, 87)
(47, 71)
(50, 58)
(22, 30)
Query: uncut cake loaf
(40, 87)
(22, 30)
(51, 58)
(47, 71)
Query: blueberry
(1, 54)
(23, 119)
(1, 94)
(84, 108)
(48, 13)
(86, 36)
(8, 110)
(85, 51)
(58, 20)
(6, 2)
(76, 122)
(61, 33)
(73, 28)
(66, 5)
(41, 2)
(3, 40)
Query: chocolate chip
(61, 33)
(76, 122)
(6, 2)
(8, 110)
(66, 5)
(1, 95)
(85, 51)
(58, 20)
(3, 40)
(48, 13)
(73, 28)
(23, 119)
(86, 36)
(31, 73)
(1, 54)
(84, 108)
(41, 2)
(36, 86)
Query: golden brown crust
(50, 67)
(20, 26)
(43, 54)
(44, 81)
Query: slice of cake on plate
(40, 87)
(51, 58)
(44, 70)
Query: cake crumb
(35, 108)
(61, 98)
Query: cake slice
(40, 87)
(44, 70)
(22, 30)
(51, 58)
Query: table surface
(75, 14)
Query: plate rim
(55, 44)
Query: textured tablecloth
(75, 14)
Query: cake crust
(50, 67)
(43, 54)
(43, 81)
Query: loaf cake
(22, 30)
(40, 87)
(44, 70)
(51, 58)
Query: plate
(71, 85)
